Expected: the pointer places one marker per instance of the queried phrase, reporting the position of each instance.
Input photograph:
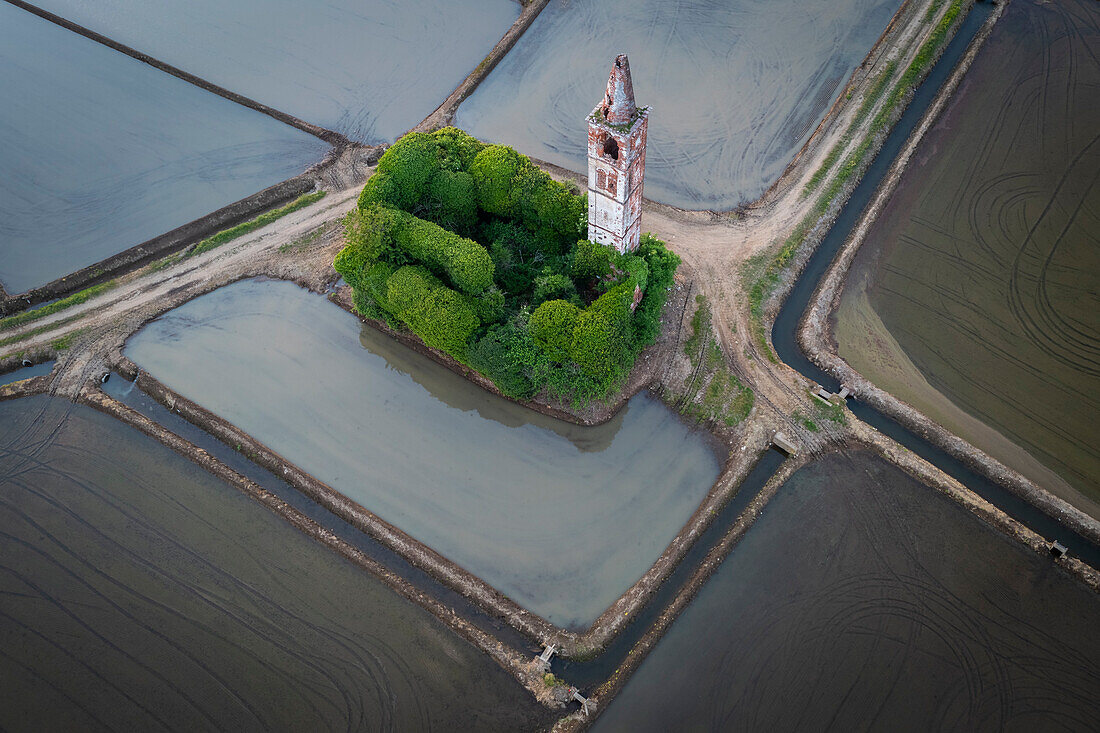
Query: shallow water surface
(976, 297)
(370, 69)
(140, 593)
(863, 600)
(736, 86)
(101, 152)
(37, 370)
(562, 519)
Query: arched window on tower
(610, 148)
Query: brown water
(736, 86)
(976, 297)
(137, 592)
(863, 600)
(560, 518)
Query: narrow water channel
(35, 370)
(784, 332)
(137, 592)
(560, 518)
(976, 295)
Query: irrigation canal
(785, 330)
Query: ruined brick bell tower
(616, 163)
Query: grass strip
(228, 235)
(764, 284)
(19, 319)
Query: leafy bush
(490, 305)
(661, 264)
(409, 164)
(550, 285)
(465, 262)
(507, 355)
(590, 261)
(494, 169)
(459, 241)
(369, 236)
(441, 317)
(552, 326)
(601, 336)
(452, 201)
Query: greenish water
(370, 69)
(984, 267)
(736, 86)
(560, 518)
(137, 592)
(102, 152)
(863, 600)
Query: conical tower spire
(618, 104)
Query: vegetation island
(483, 256)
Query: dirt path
(102, 324)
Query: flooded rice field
(560, 518)
(101, 152)
(863, 600)
(975, 297)
(138, 593)
(370, 69)
(736, 87)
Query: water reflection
(370, 69)
(562, 519)
(35, 370)
(975, 298)
(462, 394)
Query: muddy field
(370, 70)
(102, 152)
(139, 592)
(735, 87)
(862, 600)
(974, 297)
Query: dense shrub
(409, 164)
(550, 285)
(661, 264)
(552, 326)
(494, 170)
(507, 355)
(369, 236)
(443, 318)
(590, 261)
(452, 201)
(460, 241)
(601, 338)
(490, 305)
(465, 262)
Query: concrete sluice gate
(548, 513)
(140, 592)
